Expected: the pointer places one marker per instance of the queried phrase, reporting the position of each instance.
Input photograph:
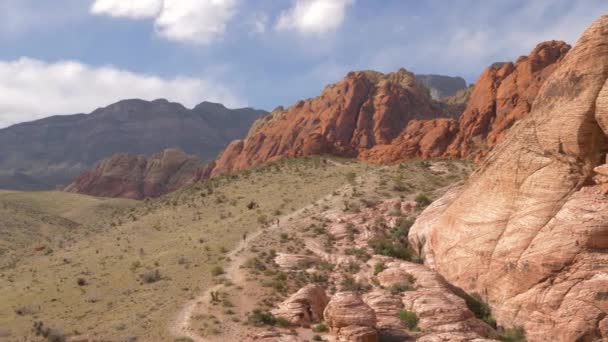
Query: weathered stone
(348, 309)
(304, 307)
(524, 232)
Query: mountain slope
(388, 118)
(503, 95)
(365, 109)
(55, 150)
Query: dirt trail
(181, 326)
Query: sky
(72, 56)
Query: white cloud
(127, 8)
(314, 16)
(31, 89)
(193, 21)
(258, 22)
(197, 21)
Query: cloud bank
(191, 21)
(31, 89)
(314, 16)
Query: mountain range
(51, 152)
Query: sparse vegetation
(260, 318)
(151, 276)
(409, 319)
(515, 334)
(423, 201)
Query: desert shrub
(398, 288)
(379, 267)
(260, 318)
(151, 276)
(256, 264)
(480, 308)
(351, 177)
(81, 282)
(262, 219)
(515, 334)
(350, 284)
(51, 334)
(320, 328)
(402, 229)
(409, 319)
(216, 271)
(423, 201)
(387, 247)
(317, 338)
(360, 253)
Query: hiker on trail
(244, 236)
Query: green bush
(379, 267)
(320, 328)
(396, 249)
(409, 319)
(423, 201)
(216, 271)
(402, 229)
(260, 318)
(515, 334)
(479, 308)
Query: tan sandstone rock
(348, 309)
(357, 334)
(305, 306)
(523, 232)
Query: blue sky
(65, 56)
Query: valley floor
(123, 270)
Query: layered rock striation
(529, 231)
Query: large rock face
(138, 177)
(53, 151)
(503, 95)
(389, 118)
(365, 109)
(526, 232)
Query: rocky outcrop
(139, 177)
(348, 309)
(503, 95)
(528, 232)
(365, 109)
(389, 118)
(304, 307)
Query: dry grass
(112, 243)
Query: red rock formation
(138, 177)
(388, 118)
(502, 96)
(365, 109)
(527, 232)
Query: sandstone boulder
(348, 309)
(304, 307)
